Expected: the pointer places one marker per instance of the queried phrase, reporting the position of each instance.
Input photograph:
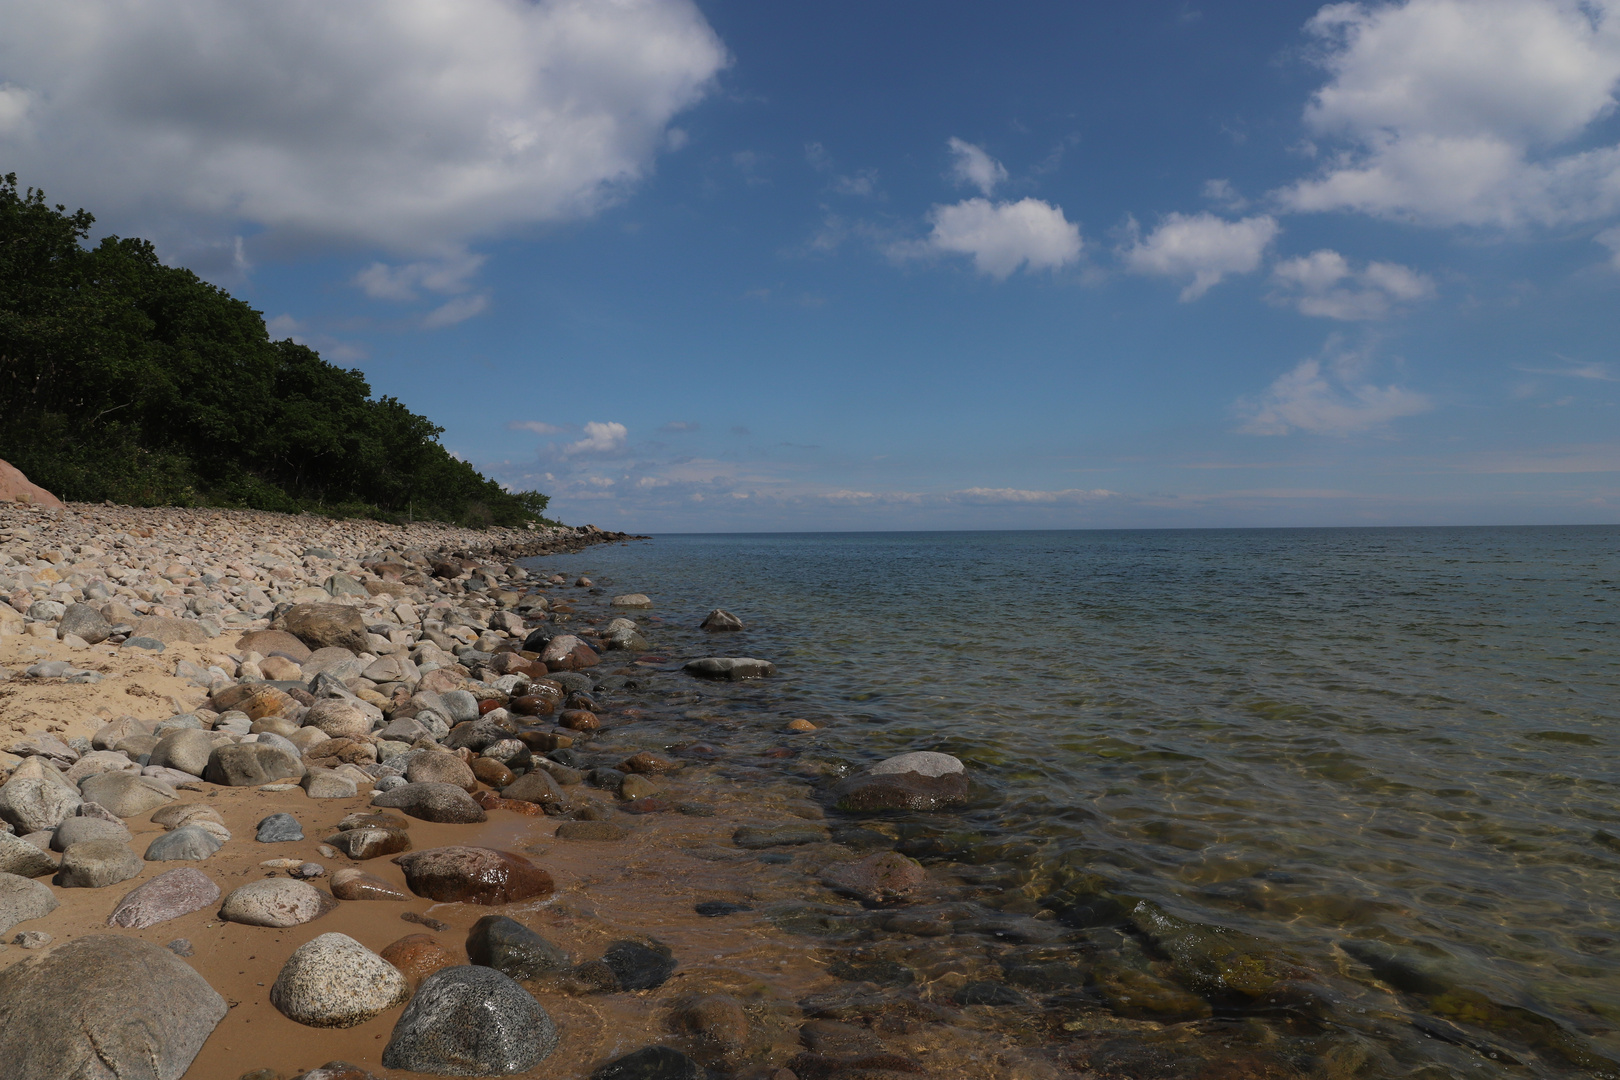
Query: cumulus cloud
(410, 125)
(1203, 248)
(1328, 396)
(450, 274)
(1465, 111)
(973, 167)
(1325, 284)
(601, 439)
(454, 311)
(539, 427)
(1001, 237)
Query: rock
(167, 630)
(189, 842)
(22, 899)
(730, 667)
(306, 870)
(755, 837)
(470, 1021)
(127, 795)
(47, 611)
(95, 864)
(17, 488)
(433, 768)
(716, 1024)
(352, 883)
(635, 786)
(168, 896)
(32, 939)
(325, 626)
(147, 644)
(251, 765)
(713, 909)
(180, 946)
(718, 620)
(922, 762)
(639, 966)
(648, 764)
(801, 727)
(370, 843)
(187, 750)
(97, 762)
(881, 878)
(20, 858)
(871, 792)
(535, 787)
(590, 830)
(174, 815)
(579, 720)
(256, 700)
(657, 1063)
(460, 706)
(281, 669)
(492, 772)
(332, 1070)
(988, 993)
(632, 600)
(329, 784)
(433, 802)
(333, 981)
(416, 956)
(31, 805)
(473, 875)
(513, 949)
(279, 829)
(275, 902)
(85, 622)
(272, 642)
(405, 729)
(338, 718)
(105, 1007)
(75, 830)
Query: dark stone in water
(753, 838)
(512, 948)
(882, 972)
(470, 1021)
(873, 792)
(424, 920)
(988, 993)
(715, 908)
(775, 858)
(639, 966)
(651, 1063)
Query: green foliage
(124, 379)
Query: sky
(718, 265)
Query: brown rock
(169, 630)
(326, 626)
(871, 792)
(417, 956)
(15, 487)
(338, 718)
(648, 763)
(370, 842)
(281, 668)
(716, 1025)
(269, 642)
(443, 680)
(473, 875)
(371, 820)
(536, 786)
(544, 741)
(352, 883)
(441, 769)
(579, 720)
(492, 772)
(256, 699)
(334, 752)
(883, 878)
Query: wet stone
(755, 837)
(370, 843)
(416, 956)
(590, 830)
(988, 993)
(470, 1021)
(473, 875)
(714, 909)
(651, 1063)
(279, 829)
(886, 877)
(639, 966)
(513, 949)
(351, 883)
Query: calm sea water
(1389, 753)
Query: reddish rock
(443, 680)
(416, 956)
(326, 626)
(15, 487)
(473, 875)
(492, 772)
(579, 720)
(167, 896)
(533, 705)
(883, 878)
(258, 700)
(648, 764)
(351, 883)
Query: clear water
(1313, 740)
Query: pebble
(275, 902)
(32, 939)
(470, 1021)
(168, 896)
(333, 981)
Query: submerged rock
(883, 878)
(730, 667)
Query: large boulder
(473, 875)
(433, 768)
(167, 896)
(322, 626)
(22, 899)
(340, 718)
(470, 1021)
(19, 857)
(34, 805)
(105, 1008)
(334, 981)
(15, 487)
(126, 794)
(76, 830)
(95, 864)
(187, 750)
(85, 622)
(432, 802)
(251, 765)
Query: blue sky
(742, 266)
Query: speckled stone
(275, 902)
(168, 896)
(279, 829)
(189, 842)
(336, 982)
(470, 1021)
(95, 864)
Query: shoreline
(765, 985)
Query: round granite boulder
(336, 982)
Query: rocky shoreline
(244, 747)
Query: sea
(1376, 765)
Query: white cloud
(1202, 247)
(1328, 396)
(600, 439)
(454, 311)
(1001, 237)
(975, 168)
(1610, 238)
(449, 274)
(412, 125)
(1454, 111)
(1225, 196)
(539, 427)
(1324, 284)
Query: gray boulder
(730, 667)
(470, 1021)
(33, 805)
(75, 830)
(279, 829)
(168, 896)
(22, 899)
(95, 864)
(186, 750)
(251, 765)
(275, 902)
(99, 761)
(126, 794)
(85, 622)
(189, 842)
(19, 857)
(322, 626)
(718, 620)
(105, 1008)
(433, 802)
(334, 981)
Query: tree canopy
(125, 379)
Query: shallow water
(1377, 763)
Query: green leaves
(124, 379)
